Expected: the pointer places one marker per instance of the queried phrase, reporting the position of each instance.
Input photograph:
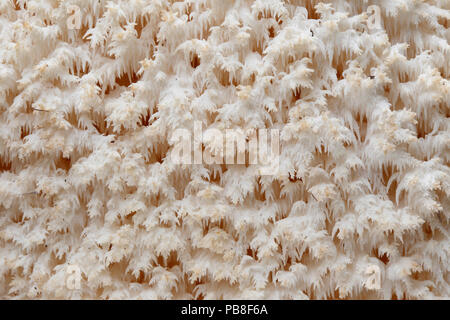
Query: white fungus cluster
(92, 90)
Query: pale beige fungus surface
(86, 177)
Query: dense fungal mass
(358, 209)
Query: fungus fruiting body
(93, 204)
